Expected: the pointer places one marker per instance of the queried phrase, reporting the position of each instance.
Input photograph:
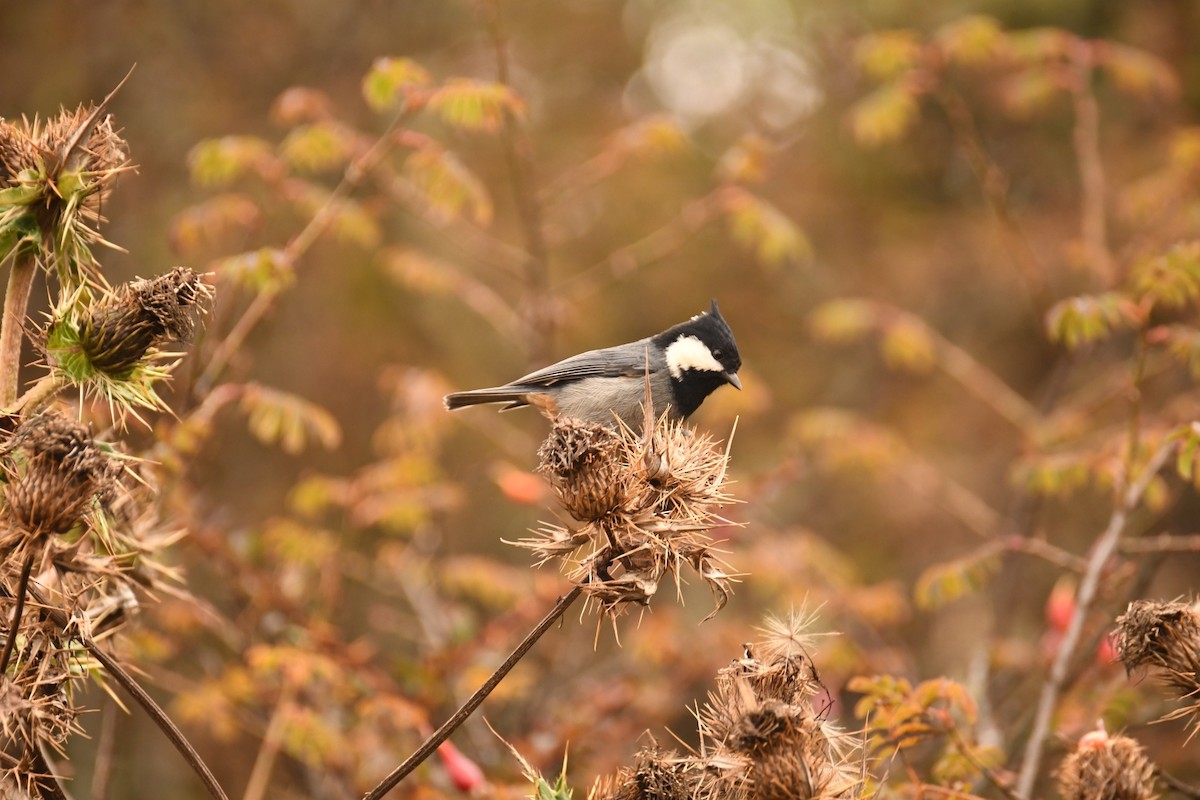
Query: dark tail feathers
(497, 394)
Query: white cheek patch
(688, 352)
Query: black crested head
(701, 356)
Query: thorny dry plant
(1166, 637)
(1104, 767)
(763, 735)
(647, 502)
(78, 532)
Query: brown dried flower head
(762, 737)
(61, 472)
(1106, 767)
(118, 332)
(1166, 637)
(17, 153)
(580, 460)
(647, 501)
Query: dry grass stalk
(646, 501)
(1165, 637)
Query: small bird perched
(684, 365)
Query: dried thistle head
(17, 153)
(56, 473)
(1105, 767)
(118, 332)
(58, 174)
(648, 502)
(580, 460)
(111, 348)
(659, 774)
(1164, 636)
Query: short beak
(732, 379)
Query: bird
(683, 365)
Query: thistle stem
(37, 395)
(449, 726)
(16, 300)
(18, 610)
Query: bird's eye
(717, 353)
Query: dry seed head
(117, 333)
(579, 459)
(17, 153)
(1106, 767)
(101, 151)
(648, 501)
(1165, 636)
(63, 474)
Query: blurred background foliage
(952, 239)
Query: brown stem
(260, 773)
(1105, 546)
(449, 726)
(127, 682)
(518, 155)
(18, 610)
(1086, 135)
(12, 325)
(37, 395)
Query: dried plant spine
(1105, 767)
(762, 738)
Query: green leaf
(764, 229)
(267, 269)
(1171, 279)
(942, 584)
(907, 345)
(451, 190)
(973, 41)
(842, 321)
(885, 115)
(280, 418)
(1082, 320)
(391, 81)
(887, 54)
(319, 147)
(1053, 475)
(220, 162)
(1037, 45)
(1028, 91)
(476, 106)
(1135, 71)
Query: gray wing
(622, 361)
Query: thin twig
(1163, 543)
(19, 595)
(518, 154)
(1105, 546)
(966, 751)
(272, 741)
(106, 746)
(1086, 134)
(459, 717)
(1183, 788)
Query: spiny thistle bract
(111, 347)
(762, 738)
(646, 502)
(1105, 767)
(54, 177)
(1164, 636)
